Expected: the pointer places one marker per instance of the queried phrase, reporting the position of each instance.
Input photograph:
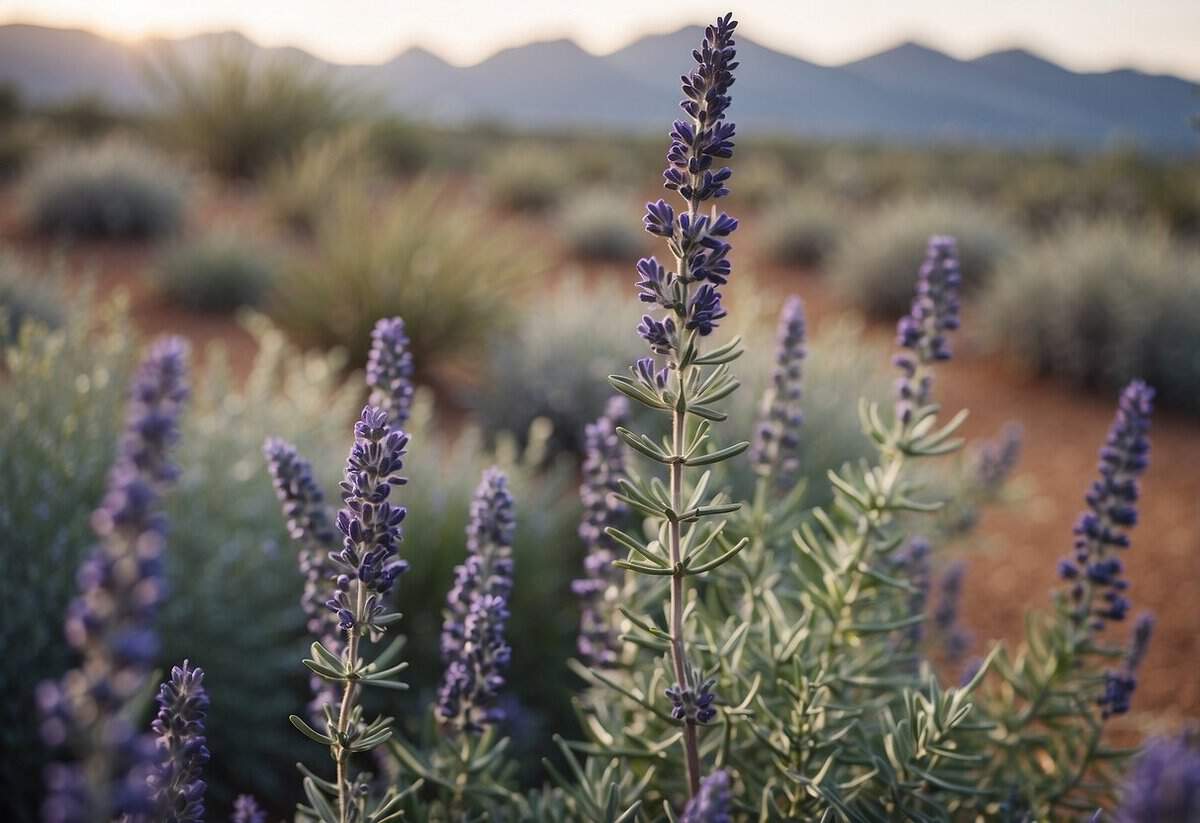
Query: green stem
(341, 755)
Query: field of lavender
(357, 469)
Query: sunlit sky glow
(1154, 35)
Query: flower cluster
(390, 370)
(473, 644)
(995, 459)
(912, 562)
(370, 524)
(694, 705)
(956, 640)
(923, 330)
(247, 810)
(697, 242)
(177, 785)
(603, 465)
(110, 623)
(1165, 783)
(777, 436)
(1119, 685)
(1112, 511)
(713, 803)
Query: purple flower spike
(713, 803)
(956, 640)
(775, 452)
(473, 643)
(111, 623)
(177, 786)
(923, 331)
(1165, 782)
(390, 370)
(247, 810)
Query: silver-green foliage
(217, 272)
(28, 295)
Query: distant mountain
(911, 92)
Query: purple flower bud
(713, 803)
(922, 331)
(177, 785)
(390, 370)
(775, 451)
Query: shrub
(28, 297)
(218, 272)
(241, 114)
(802, 231)
(402, 148)
(445, 267)
(601, 225)
(1101, 303)
(873, 269)
(301, 189)
(115, 190)
(527, 177)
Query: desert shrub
(1098, 304)
(217, 272)
(114, 190)
(28, 297)
(601, 225)
(19, 144)
(302, 188)
(446, 267)
(403, 148)
(874, 267)
(86, 117)
(527, 177)
(803, 230)
(240, 114)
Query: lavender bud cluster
(923, 330)
(370, 524)
(110, 623)
(713, 803)
(1119, 685)
(956, 640)
(599, 590)
(995, 459)
(777, 436)
(473, 644)
(697, 242)
(177, 786)
(390, 370)
(1112, 511)
(1165, 783)
(694, 706)
(913, 562)
(247, 810)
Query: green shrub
(444, 266)
(401, 147)
(301, 189)
(114, 190)
(28, 297)
(601, 225)
(802, 231)
(527, 177)
(218, 272)
(1101, 303)
(876, 264)
(241, 114)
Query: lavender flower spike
(177, 786)
(390, 370)
(923, 330)
(110, 623)
(956, 640)
(599, 590)
(777, 436)
(1112, 511)
(714, 802)
(1120, 685)
(1165, 783)
(247, 810)
(473, 644)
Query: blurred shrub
(217, 272)
(802, 231)
(446, 267)
(875, 265)
(240, 114)
(527, 177)
(761, 179)
(603, 225)
(86, 117)
(299, 190)
(28, 297)
(114, 190)
(19, 143)
(1101, 303)
(402, 148)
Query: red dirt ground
(1014, 553)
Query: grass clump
(1101, 303)
(876, 263)
(300, 189)
(603, 226)
(527, 177)
(802, 231)
(218, 272)
(442, 265)
(117, 190)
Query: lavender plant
(177, 785)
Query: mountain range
(910, 93)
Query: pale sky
(1154, 35)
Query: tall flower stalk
(177, 786)
(111, 622)
(690, 381)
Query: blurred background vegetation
(269, 188)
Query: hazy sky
(1156, 35)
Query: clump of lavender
(995, 459)
(1165, 783)
(777, 436)
(177, 785)
(1119, 685)
(110, 623)
(923, 330)
(956, 640)
(713, 803)
(473, 644)
(1102, 530)
(247, 810)
(390, 370)
(603, 466)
